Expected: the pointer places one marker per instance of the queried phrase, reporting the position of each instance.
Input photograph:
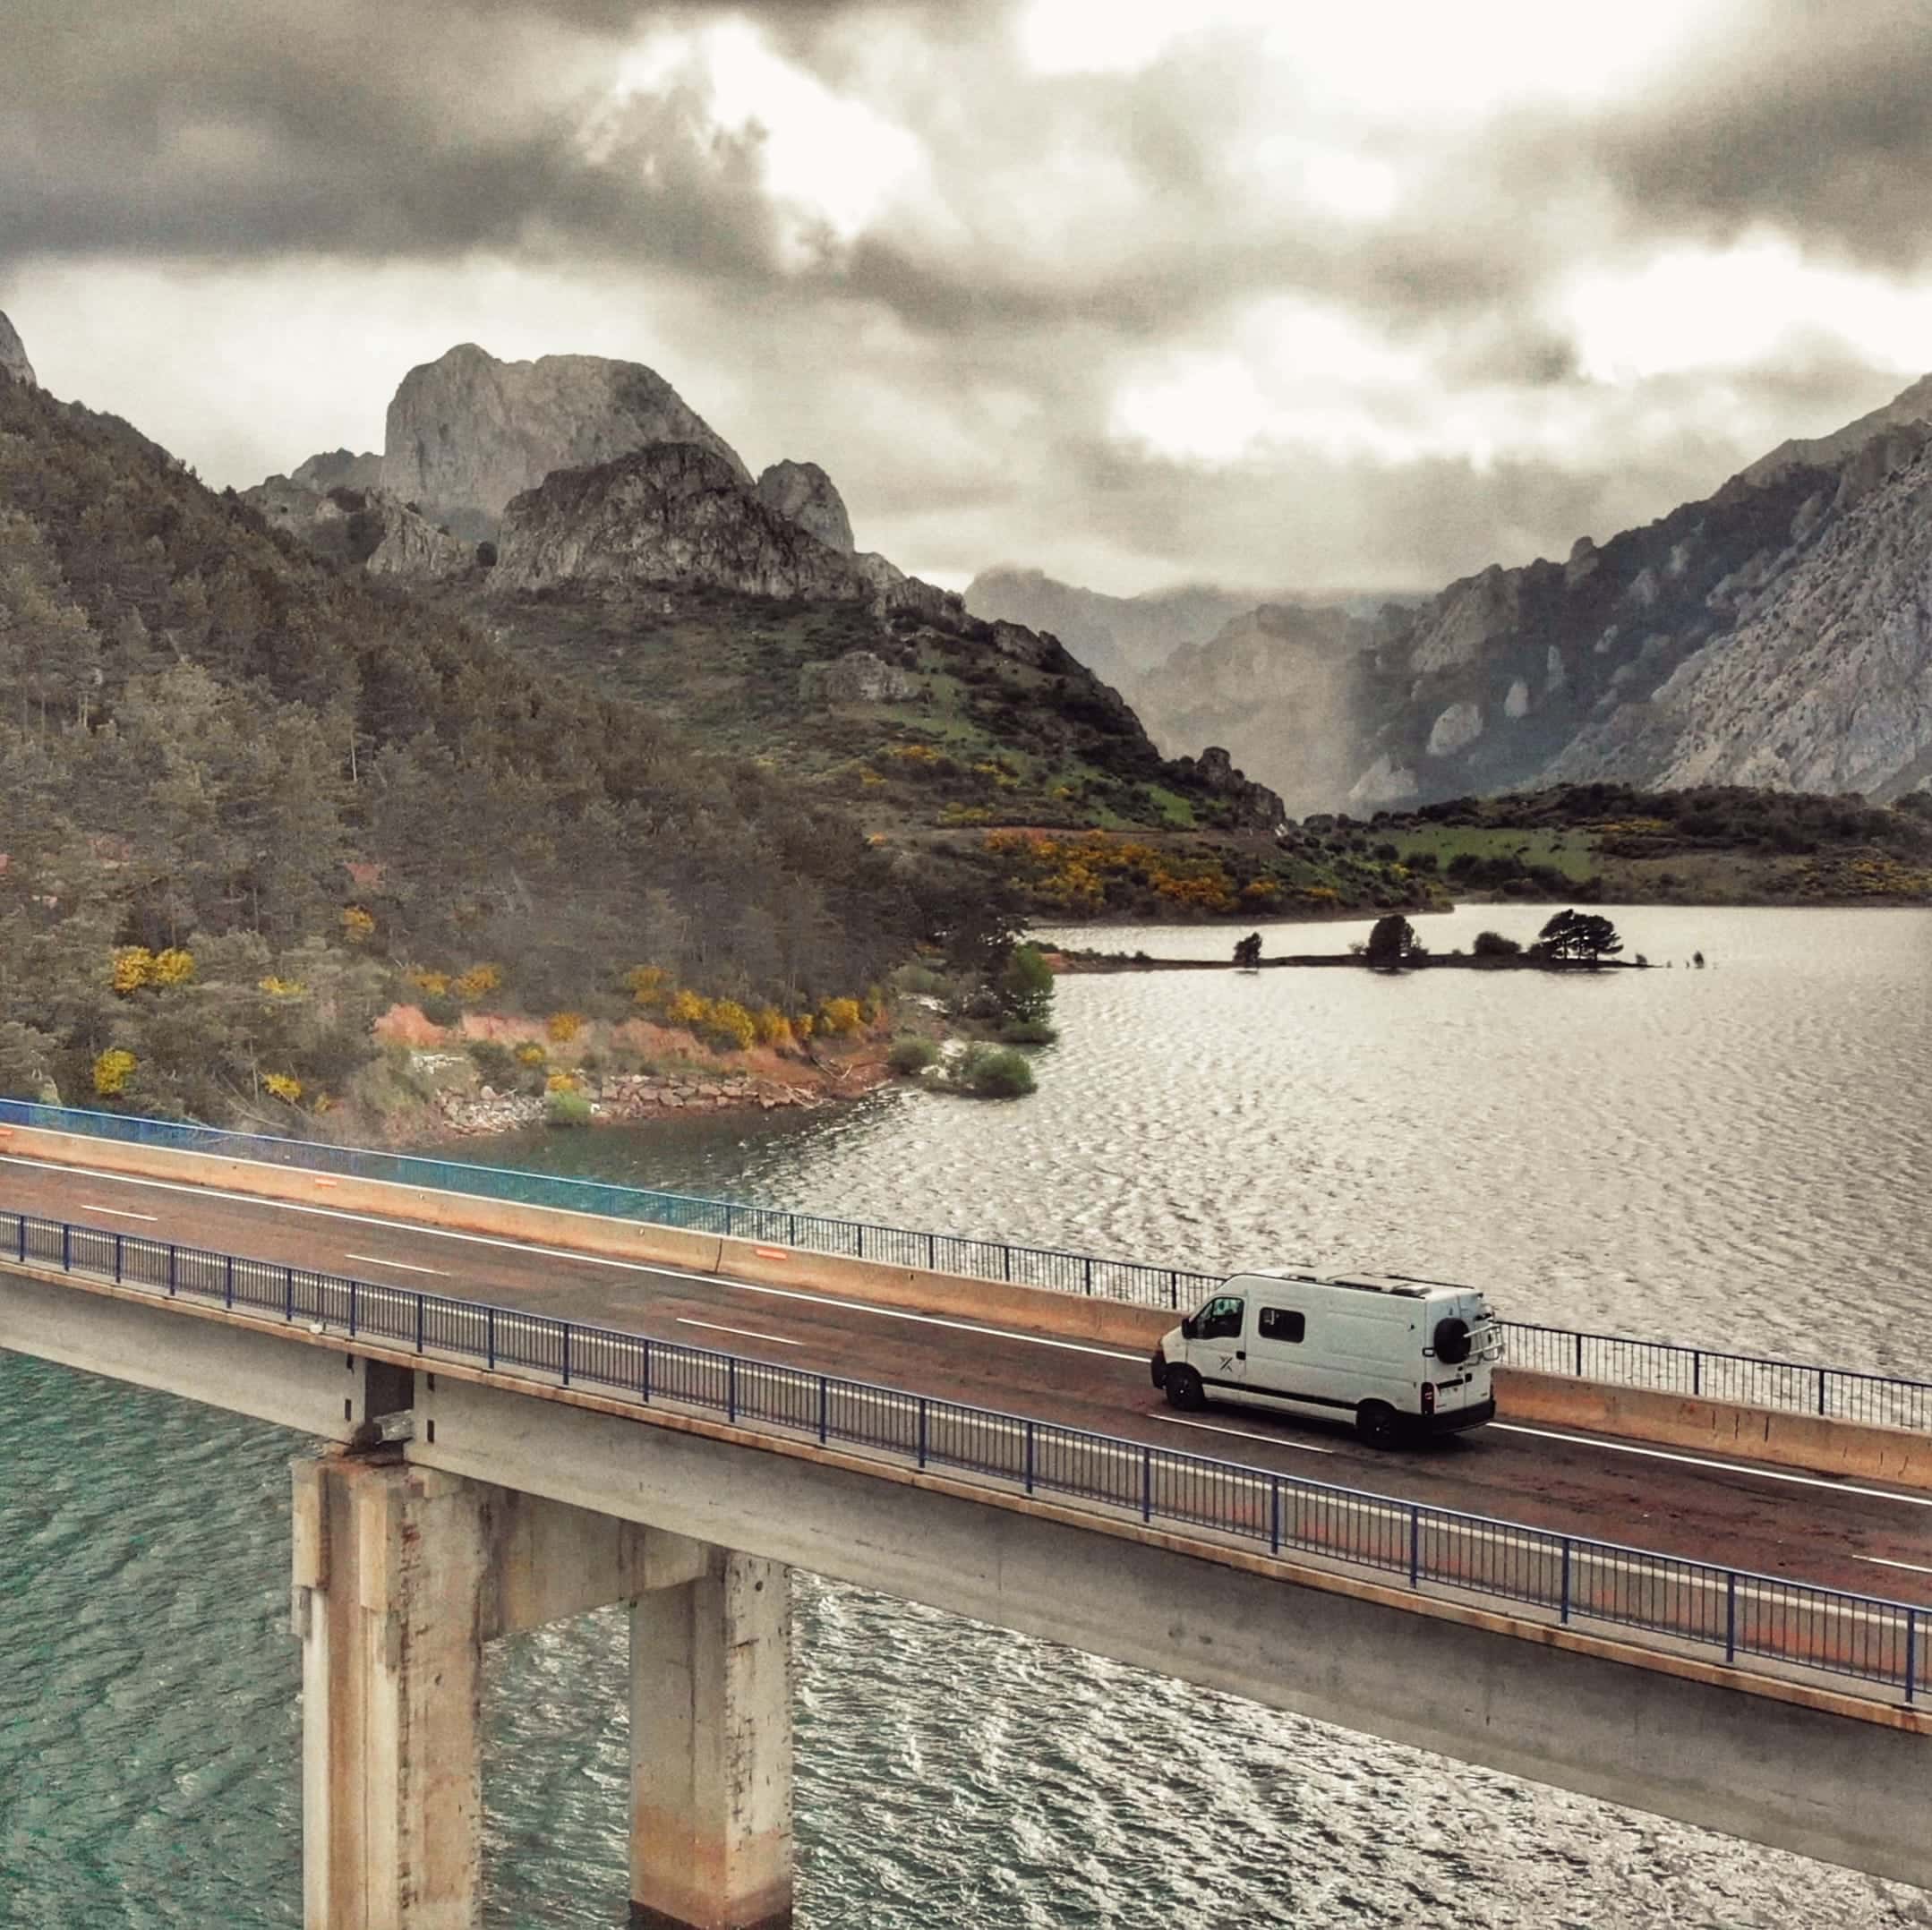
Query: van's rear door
(1463, 1383)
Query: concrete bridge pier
(711, 1751)
(402, 1573)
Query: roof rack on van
(1383, 1283)
(1281, 1273)
(1460, 1287)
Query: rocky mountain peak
(675, 512)
(13, 359)
(468, 432)
(805, 493)
(339, 469)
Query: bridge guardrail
(1834, 1392)
(1746, 1615)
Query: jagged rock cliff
(14, 362)
(805, 493)
(371, 527)
(466, 434)
(674, 513)
(1773, 633)
(1826, 682)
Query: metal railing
(1747, 1616)
(1835, 1393)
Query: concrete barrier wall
(1807, 1441)
(1802, 1441)
(1040, 1310)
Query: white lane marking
(1879, 1561)
(401, 1266)
(87, 1205)
(587, 1260)
(893, 1313)
(923, 1319)
(1273, 1440)
(1722, 1467)
(743, 1333)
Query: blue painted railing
(1745, 1615)
(1752, 1380)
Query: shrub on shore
(911, 1056)
(990, 1072)
(566, 1109)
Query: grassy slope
(986, 744)
(1717, 846)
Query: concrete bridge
(1539, 1598)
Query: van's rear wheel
(1378, 1424)
(1182, 1388)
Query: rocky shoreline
(622, 1098)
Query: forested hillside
(240, 791)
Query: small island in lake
(1570, 941)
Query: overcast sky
(1253, 291)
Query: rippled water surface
(1737, 1155)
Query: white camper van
(1399, 1357)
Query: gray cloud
(1071, 230)
(1818, 125)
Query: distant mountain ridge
(1774, 633)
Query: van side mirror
(1188, 1328)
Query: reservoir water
(1737, 1155)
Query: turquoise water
(1656, 1151)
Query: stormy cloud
(1249, 298)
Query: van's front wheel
(1378, 1424)
(1182, 1388)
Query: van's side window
(1278, 1324)
(1220, 1319)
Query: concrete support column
(711, 1750)
(389, 1571)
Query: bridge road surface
(1863, 1537)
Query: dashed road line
(743, 1333)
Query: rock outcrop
(805, 493)
(339, 469)
(1255, 804)
(673, 513)
(14, 362)
(369, 527)
(859, 676)
(467, 433)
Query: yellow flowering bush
(731, 1023)
(648, 984)
(112, 1070)
(530, 1053)
(283, 1084)
(282, 988)
(561, 1082)
(435, 983)
(358, 925)
(838, 1015)
(771, 1026)
(477, 982)
(689, 1008)
(172, 967)
(564, 1027)
(130, 969)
